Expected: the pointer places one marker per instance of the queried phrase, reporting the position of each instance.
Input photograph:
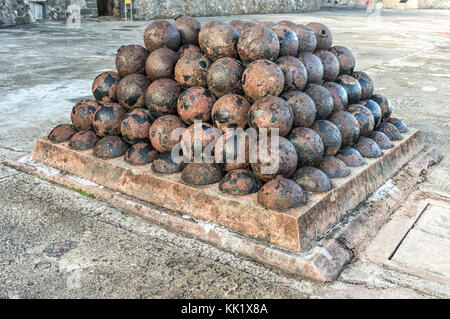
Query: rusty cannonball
(107, 119)
(323, 35)
(232, 150)
(399, 124)
(131, 91)
(191, 70)
(271, 112)
(322, 99)
(261, 78)
(330, 65)
(240, 182)
(281, 194)
(390, 130)
(186, 49)
(219, 41)
(257, 43)
(314, 67)
(381, 139)
(308, 145)
(287, 23)
(135, 126)
(350, 156)
(334, 167)
(307, 41)
(340, 98)
(383, 102)
(164, 164)
(303, 108)
(188, 28)
(104, 86)
(364, 117)
(161, 130)
(195, 103)
(345, 57)
(201, 174)
(161, 34)
(140, 154)
(224, 77)
(287, 38)
(82, 114)
(131, 59)
(205, 29)
(374, 108)
(241, 25)
(330, 135)
(366, 83)
(285, 155)
(351, 86)
(62, 133)
(110, 147)
(295, 75)
(161, 64)
(198, 140)
(161, 97)
(230, 111)
(368, 147)
(347, 125)
(84, 140)
(312, 179)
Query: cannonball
(323, 35)
(135, 126)
(257, 43)
(322, 98)
(384, 104)
(364, 117)
(287, 38)
(164, 164)
(307, 41)
(82, 114)
(345, 57)
(161, 34)
(131, 59)
(261, 78)
(281, 194)
(330, 65)
(366, 83)
(295, 74)
(381, 139)
(205, 31)
(161, 64)
(340, 98)
(84, 140)
(308, 145)
(303, 108)
(330, 135)
(107, 119)
(161, 97)
(350, 156)
(368, 147)
(104, 86)
(390, 130)
(232, 150)
(314, 67)
(161, 130)
(195, 103)
(351, 86)
(347, 125)
(284, 155)
(224, 77)
(399, 124)
(240, 182)
(334, 167)
(241, 25)
(189, 29)
(219, 41)
(62, 133)
(271, 112)
(374, 108)
(110, 147)
(230, 111)
(312, 179)
(199, 174)
(191, 70)
(140, 154)
(131, 91)
(196, 138)
(287, 23)
(186, 49)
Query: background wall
(14, 12)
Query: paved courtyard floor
(55, 242)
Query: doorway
(105, 7)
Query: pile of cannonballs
(237, 75)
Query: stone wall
(56, 9)
(13, 12)
(417, 4)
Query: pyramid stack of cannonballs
(239, 74)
